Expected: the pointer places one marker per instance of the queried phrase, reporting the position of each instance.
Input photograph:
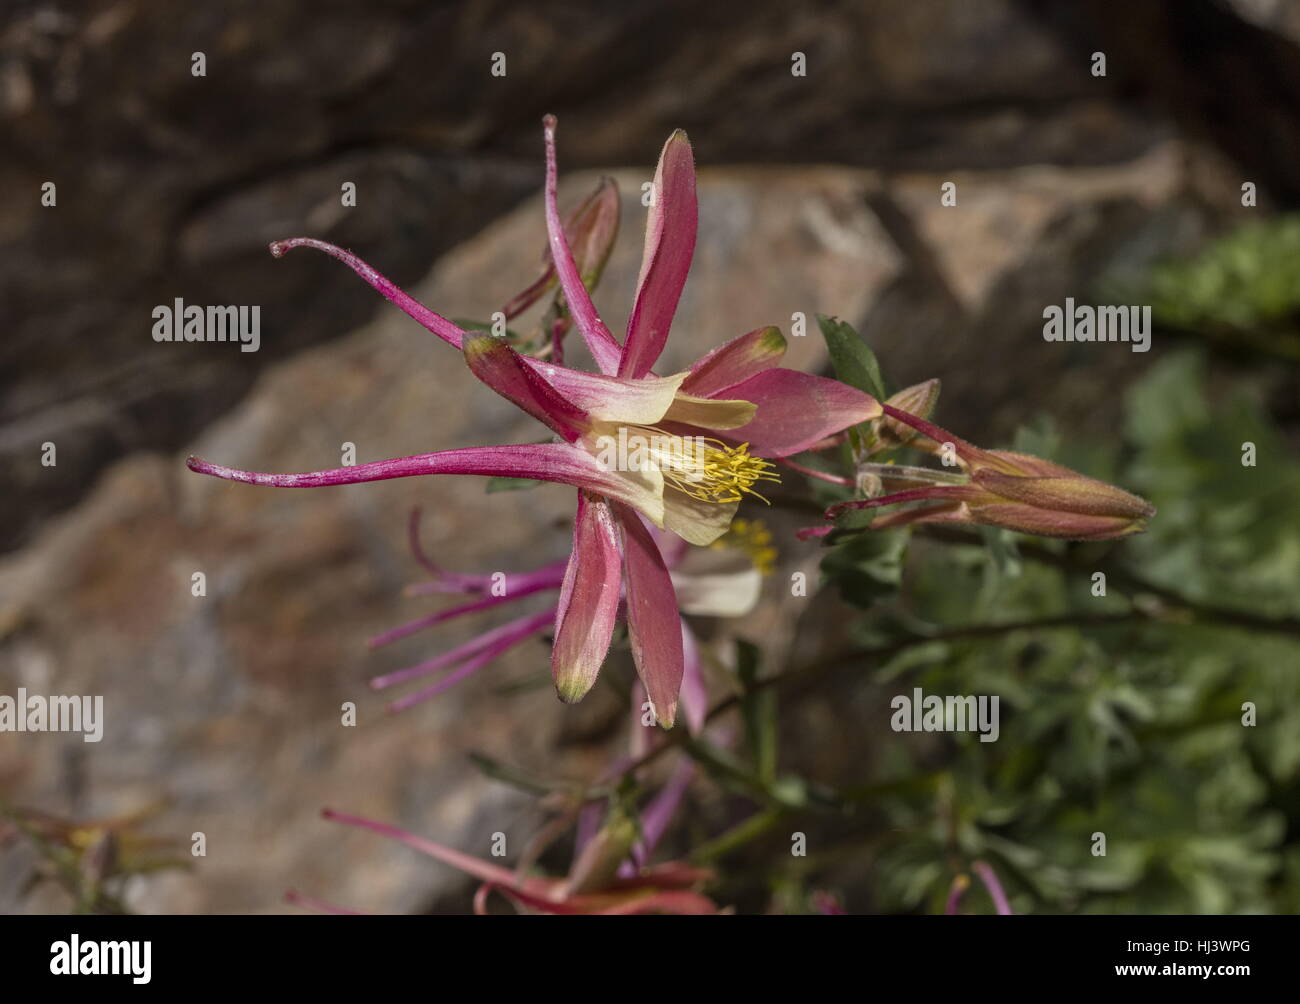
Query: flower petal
(669, 246)
(697, 522)
(797, 409)
(710, 413)
(589, 600)
(520, 630)
(499, 366)
(558, 462)
(604, 347)
(653, 622)
(736, 360)
(508, 632)
(440, 616)
(609, 398)
(439, 325)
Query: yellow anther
(707, 469)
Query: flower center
(705, 469)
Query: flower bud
(919, 399)
(1010, 490)
(590, 231)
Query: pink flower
(706, 433)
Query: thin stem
(833, 479)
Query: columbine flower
(736, 401)
(997, 488)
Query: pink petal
(669, 246)
(550, 576)
(502, 368)
(522, 629)
(589, 600)
(609, 398)
(556, 462)
(796, 410)
(440, 616)
(439, 325)
(653, 621)
(505, 632)
(735, 361)
(604, 347)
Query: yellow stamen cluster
(753, 538)
(708, 469)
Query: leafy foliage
(1121, 715)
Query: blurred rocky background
(819, 193)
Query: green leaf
(855, 364)
(867, 566)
